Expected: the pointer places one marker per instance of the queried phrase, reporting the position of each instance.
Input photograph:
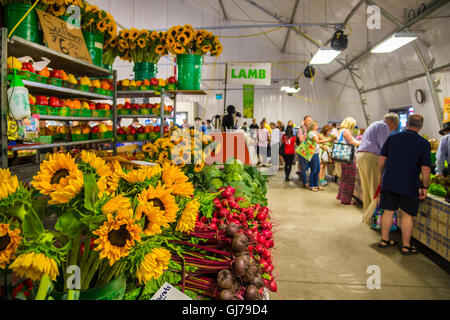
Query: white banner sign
(249, 73)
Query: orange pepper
(104, 85)
(64, 75)
(77, 104)
(44, 72)
(146, 82)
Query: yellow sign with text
(63, 37)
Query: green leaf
(68, 224)
(32, 225)
(216, 183)
(93, 222)
(90, 191)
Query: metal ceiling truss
(223, 10)
(436, 4)
(286, 38)
(362, 97)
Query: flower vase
(144, 70)
(28, 29)
(189, 71)
(94, 43)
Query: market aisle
(323, 250)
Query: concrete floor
(323, 250)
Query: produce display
(60, 78)
(440, 186)
(148, 84)
(143, 109)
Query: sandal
(315, 189)
(386, 243)
(320, 189)
(410, 250)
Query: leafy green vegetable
(437, 190)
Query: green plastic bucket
(189, 71)
(29, 27)
(94, 43)
(145, 70)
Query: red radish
(255, 228)
(248, 232)
(266, 225)
(237, 222)
(199, 224)
(230, 189)
(270, 277)
(204, 220)
(226, 193)
(261, 216)
(223, 212)
(263, 264)
(214, 220)
(213, 226)
(261, 239)
(269, 260)
(221, 188)
(242, 217)
(250, 248)
(267, 233)
(266, 254)
(240, 199)
(269, 269)
(267, 244)
(266, 282)
(230, 217)
(245, 224)
(219, 222)
(261, 290)
(257, 207)
(273, 286)
(219, 205)
(259, 248)
(270, 243)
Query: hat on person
(445, 128)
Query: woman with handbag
(348, 175)
(314, 163)
(325, 153)
(288, 146)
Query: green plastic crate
(27, 75)
(99, 135)
(144, 88)
(64, 112)
(60, 137)
(46, 139)
(99, 113)
(110, 93)
(156, 88)
(40, 109)
(132, 88)
(121, 137)
(145, 111)
(108, 113)
(131, 137)
(70, 85)
(142, 136)
(84, 87)
(53, 111)
(85, 113)
(171, 86)
(55, 82)
(81, 137)
(123, 111)
(41, 79)
(98, 90)
(74, 112)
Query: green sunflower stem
(87, 268)
(91, 271)
(44, 287)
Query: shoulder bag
(343, 152)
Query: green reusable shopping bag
(306, 148)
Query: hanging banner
(248, 93)
(63, 38)
(446, 110)
(249, 73)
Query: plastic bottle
(18, 101)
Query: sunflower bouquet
(186, 40)
(136, 45)
(96, 20)
(185, 148)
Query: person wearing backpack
(288, 146)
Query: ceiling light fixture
(324, 56)
(397, 40)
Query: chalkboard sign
(63, 37)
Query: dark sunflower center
(119, 237)
(4, 241)
(61, 173)
(158, 203)
(146, 222)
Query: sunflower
(116, 203)
(182, 40)
(173, 32)
(113, 180)
(199, 167)
(142, 174)
(153, 218)
(33, 265)
(178, 49)
(117, 236)
(188, 34)
(174, 178)
(160, 49)
(9, 242)
(96, 163)
(125, 34)
(154, 35)
(101, 26)
(144, 33)
(170, 41)
(153, 265)
(162, 198)
(206, 48)
(132, 45)
(56, 10)
(8, 184)
(141, 43)
(113, 42)
(123, 44)
(59, 177)
(188, 218)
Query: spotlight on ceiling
(309, 72)
(324, 56)
(397, 40)
(339, 41)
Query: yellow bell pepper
(13, 63)
(161, 82)
(85, 81)
(96, 83)
(125, 82)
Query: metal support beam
(400, 81)
(223, 10)
(437, 104)
(361, 97)
(4, 100)
(433, 7)
(349, 16)
(290, 21)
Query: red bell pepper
(28, 67)
(153, 81)
(156, 129)
(172, 80)
(56, 74)
(54, 102)
(41, 100)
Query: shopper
(244, 127)
(263, 141)
(209, 126)
(228, 119)
(404, 156)
(367, 158)
(325, 153)
(288, 145)
(348, 170)
(314, 163)
(443, 151)
(254, 125)
(280, 126)
(198, 125)
(303, 165)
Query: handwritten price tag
(63, 37)
(169, 292)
